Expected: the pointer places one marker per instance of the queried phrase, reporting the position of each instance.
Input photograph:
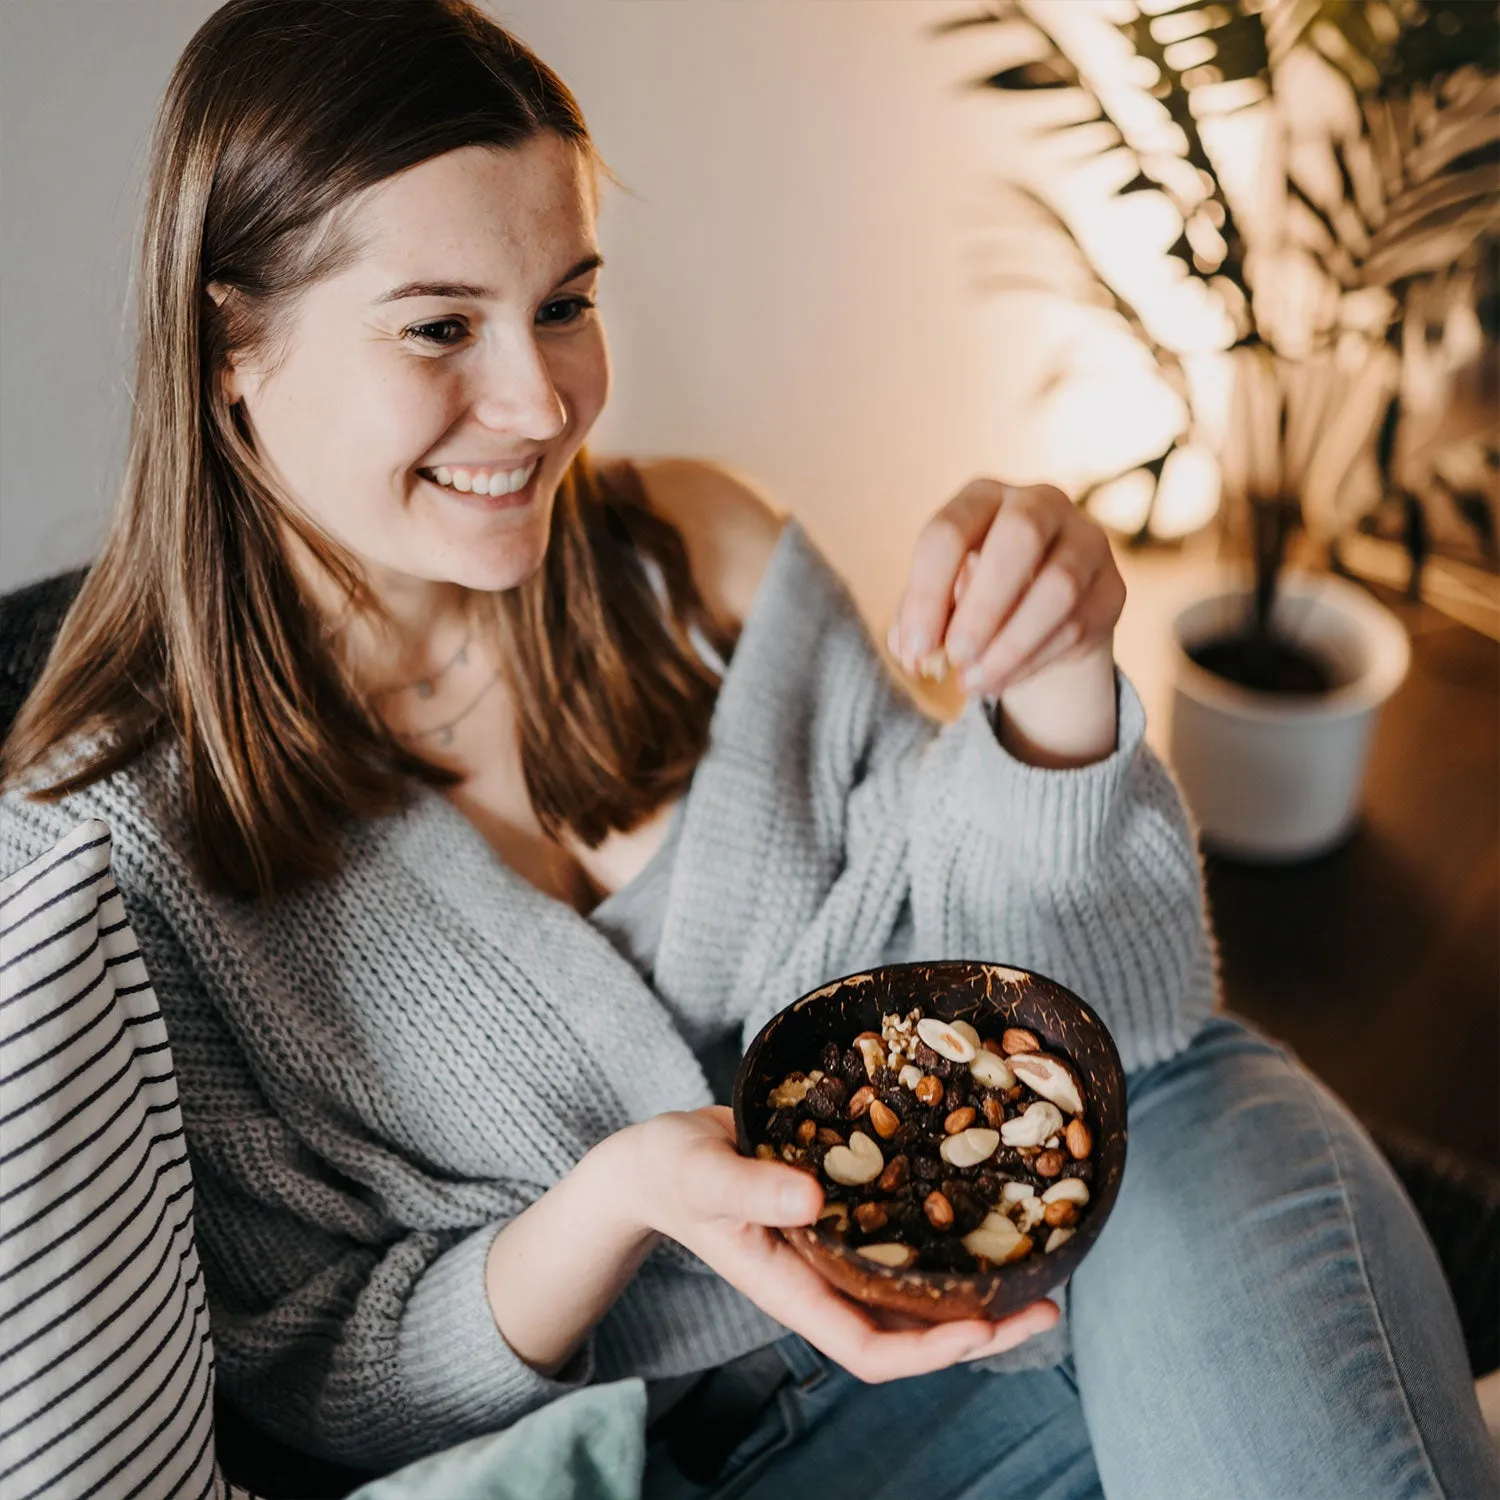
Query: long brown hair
(192, 624)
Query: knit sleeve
(370, 1354)
(333, 1329)
(860, 831)
(1090, 875)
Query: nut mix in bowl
(965, 1120)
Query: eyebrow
(466, 289)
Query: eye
(423, 332)
(579, 305)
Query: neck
(412, 633)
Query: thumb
(724, 1184)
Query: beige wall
(786, 293)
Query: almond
(1080, 1139)
(1059, 1236)
(959, 1119)
(1018, 1039)
(885, 1120)
(806, 1131)
(893, 1179)
(861, 1101)
(828, 1136)
(939, 1211)
(994, 1111)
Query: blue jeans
(1262, 1316)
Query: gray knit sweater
(378, 1070)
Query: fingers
(1027, 1323)
(717, 1182)
(1018, 542)
(1073, 600)
(940, 551)
(787, 1288)
(1095, 619)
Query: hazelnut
(930, 1090)
(861, 1101)
(885, 1120)
(1080, 1139)
(1049, 1163)
(1060, 1211)
(959, 1119)
(893, 1179)
(872, 1216)
(1018, 1039)
(939, 1211)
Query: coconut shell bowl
(986, 999)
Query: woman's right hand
(687, 1180)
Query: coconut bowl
(990, 997)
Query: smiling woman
(474, 804)
(377, 450)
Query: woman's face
(461, 346)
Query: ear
(228, 378)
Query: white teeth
(467, 481)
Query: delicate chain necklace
(424, 687)
(444, 732)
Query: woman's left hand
(1013, 585)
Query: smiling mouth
(487, 499)
(481, 483)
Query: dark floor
(1380, 963)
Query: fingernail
(893, 639)
(974, 678)
(961, 650)
(793, 1198)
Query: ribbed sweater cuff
(1042, 818)
(460, 1374)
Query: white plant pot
(1276, 777)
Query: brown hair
(192, 623)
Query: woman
(474, 803)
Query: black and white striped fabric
(106, 1369)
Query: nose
(516, 394)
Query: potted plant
(1342, 407)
